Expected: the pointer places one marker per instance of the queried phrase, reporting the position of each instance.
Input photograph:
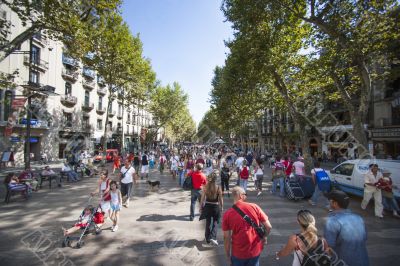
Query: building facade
(71, 119)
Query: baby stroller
(87, 222)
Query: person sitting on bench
(47, 172)
(72, 175)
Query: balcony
(67, 125)
(87, 72)
(68, 100)
(90, 85)
(69, 61)
(69, 74)
(119, 116)
(111, 113)
(101, 110)
(38, 64)
(87, 128)
(101, 81)
(40, 39)
(87, 107)
(102, 91)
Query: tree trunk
(305, 147)
(104, 142)
(359, 135)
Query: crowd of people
(245, 225)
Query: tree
(117, 58)
(72, 22)
(350, 40)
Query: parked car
(109, 155)
(349, 175)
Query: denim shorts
(115, 207)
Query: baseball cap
(340, 197)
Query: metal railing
(69, 99)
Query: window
(100, 103)
(119, 110)
(68, 119)
(68, 88)
(345, 169)
(85, 122)
(7, 104)
(110, 126)
(99, 124)
(110, 106)
(128, 120)
(87, 98)
(35, 55)
(127, 129)
(34, 77)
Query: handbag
(260, 229)
(188, 184)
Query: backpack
(315, 256)
(188, 183)
(144, 160)
(225, 173)
(244, 174)
(323, 180)
(208, 163)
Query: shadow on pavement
(159, 218)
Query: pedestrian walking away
(127, 176)
(345, 232)
(278, 176)
(145, 166)
(244, 175)
(371, 189)
(388, 200)
(198, 181)
(259, 176)
(307, 247)
(225, 176)
(211, 207)
(242, 244)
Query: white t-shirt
(370, 178)
(259, 171)
(299, 168)
(128, 176)
(174, 161)
(239, 162)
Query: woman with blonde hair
(306, 243)
(211, 205)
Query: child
(116, 203)
(83, 221)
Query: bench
(46, 178)
(10, 193)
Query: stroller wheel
(98, 231)
(80, 244)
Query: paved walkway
(155, 230)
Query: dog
(153, 184)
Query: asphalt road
(155, 229)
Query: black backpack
(315, 256)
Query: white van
(349, 175)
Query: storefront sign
(15, 139)
(18, 103)
(386, 133)
(34, 122)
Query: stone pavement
(155, 229)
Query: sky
(184, 40)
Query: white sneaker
(259, 193)
(214, 242)
(115, 228)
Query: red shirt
(198, 179)
(244, 174)
(288, 165)
(245, 242)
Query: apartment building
(74, 116)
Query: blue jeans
(72, 176)
(390, 204)
(315, 196)
(195, 196)
(281, 181)
(245, 262)
(181, 175)
(243, 184)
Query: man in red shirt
(242, 244)
(199, 179)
